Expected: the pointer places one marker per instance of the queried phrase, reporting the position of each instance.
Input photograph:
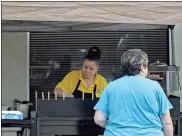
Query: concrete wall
(14, 66)
(178, 48)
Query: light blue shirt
(133, 106)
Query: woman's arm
(100, 119)
(64, 85)
(60, 93)
(101, 109)
(167, 124)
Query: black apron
(78, 94)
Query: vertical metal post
(169, 75)
(170, 46)
(28, 72)
(33, 128)
(167, 83)
(179, 124)
(170, 62)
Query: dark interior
(54, 54)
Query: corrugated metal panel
(66, 50)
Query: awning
(104, 12)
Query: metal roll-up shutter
(54, 54)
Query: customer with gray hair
(134, 105)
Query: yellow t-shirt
(70, 81)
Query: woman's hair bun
(94, 52)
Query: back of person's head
(94, 54)
(132, 60)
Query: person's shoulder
(74, 73)
(100, 77)
(125, 79)
(115, 83)
(152, 84)
(150, 81)
(118, 81)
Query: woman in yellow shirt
(86, 80)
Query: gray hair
(132, 60)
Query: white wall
(14, 66)
(178, 48)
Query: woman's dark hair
(94, 54)
(132, 60)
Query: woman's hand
(60, 93)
